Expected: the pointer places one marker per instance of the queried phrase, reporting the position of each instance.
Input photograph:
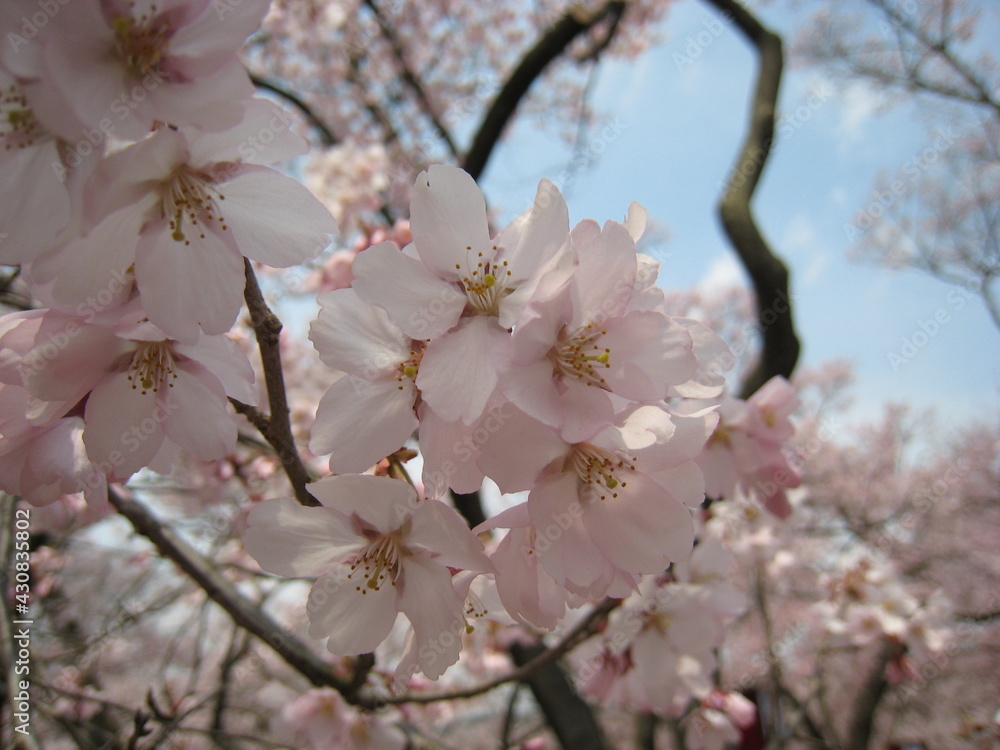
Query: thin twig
(276, 427)
(582, 631)
(326, 134)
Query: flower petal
(122, 432)
(438, 529)
(184, 286)
(290, 539)
(419, 302)
(360, 423)
(275, 219)
(447, 216)
(641, 530)
(196, 415)
(356, 618)
(357, 337)
(383, 503)
(434, 609)
(460, 371)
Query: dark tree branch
(568, 715)
(410, 79)
(325, 133)
(866, 704)
(276, 428)
(470, 506)
(769, 275)
(552, 44)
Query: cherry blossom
(179, 210)
(120, 67)
(610, 508)
(377, 550)
(462, 290)
(138, 391)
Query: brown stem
(770, 276)
(866, 704)
(276, 427)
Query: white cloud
(800, 234)
(723, 273)
(859, 104)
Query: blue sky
(666, 134)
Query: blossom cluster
(134, 156)
(539, 357)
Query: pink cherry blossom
(120, 67)
(140, 393)
(747, 447)
(369, 411)
(580, 341)
(377, 551)
(460, 289)
(180, 209)
(610, 508)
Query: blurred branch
(583, 630)
(939, 47)
(568, 715)
(872, 691)
(552, 44)
(410, 79)
(325, 133)
(780, 349)
(276, 428)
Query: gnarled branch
(780, 350)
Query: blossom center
(408, 368)
(141, 43)
(152, 367)
(580, 357)
(377, 562)
(191, 196)
(485, 282)
(18, 126)
(601, 470)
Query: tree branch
(780, 349)
(552, 44)
(245, 613)
(326, 135)
(860, 731)
(568, 715)
(410, 79)
(276, 428)
(582, 631)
